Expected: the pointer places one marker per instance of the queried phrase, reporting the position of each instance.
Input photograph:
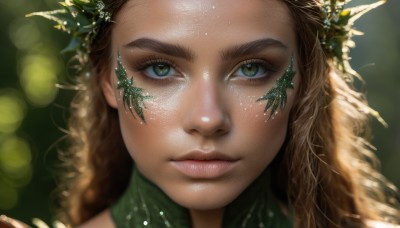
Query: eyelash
(268, 67)
(142, 65)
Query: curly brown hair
(326, 170)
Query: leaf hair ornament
(338, 30)
(336, 38)
(277, 96)
(81, 19)
(84, 18)
(132, 97)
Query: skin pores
(205, 64)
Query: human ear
(108, 89)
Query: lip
(204, 165)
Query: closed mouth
(204, 165)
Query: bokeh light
(12, 110)
(15, 168)
(38, 78)
(30, 64)
(15, 160)
(22, 28)
(8, 196)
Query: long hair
(97, 162)
(326, 170)
(332, 173)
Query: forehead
(209, 20)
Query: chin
(202, 204)
(204, 196)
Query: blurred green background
(33, 110)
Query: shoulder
(103, 220)
(379, 224)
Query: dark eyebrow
(161, 47)
(251, 48)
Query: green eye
(253, 69)
(158, 70)
(250, 69)
(161, 69)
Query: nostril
(221, 131)
(208, 126)
(208, 132)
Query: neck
(144, 204)
(208, 218)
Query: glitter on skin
(132, 97)
(277, 96)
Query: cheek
(145, 141)
(264, 135)
(130, 129)
(252, 132)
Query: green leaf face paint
(132, 97)
(277, 96)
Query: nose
(207, 113)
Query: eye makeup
(277, 96)
(165, 73)
(156, 68)
(160, 69)
(254, 70)
(132, 97)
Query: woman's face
(205, 64)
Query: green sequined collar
(145, 205)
